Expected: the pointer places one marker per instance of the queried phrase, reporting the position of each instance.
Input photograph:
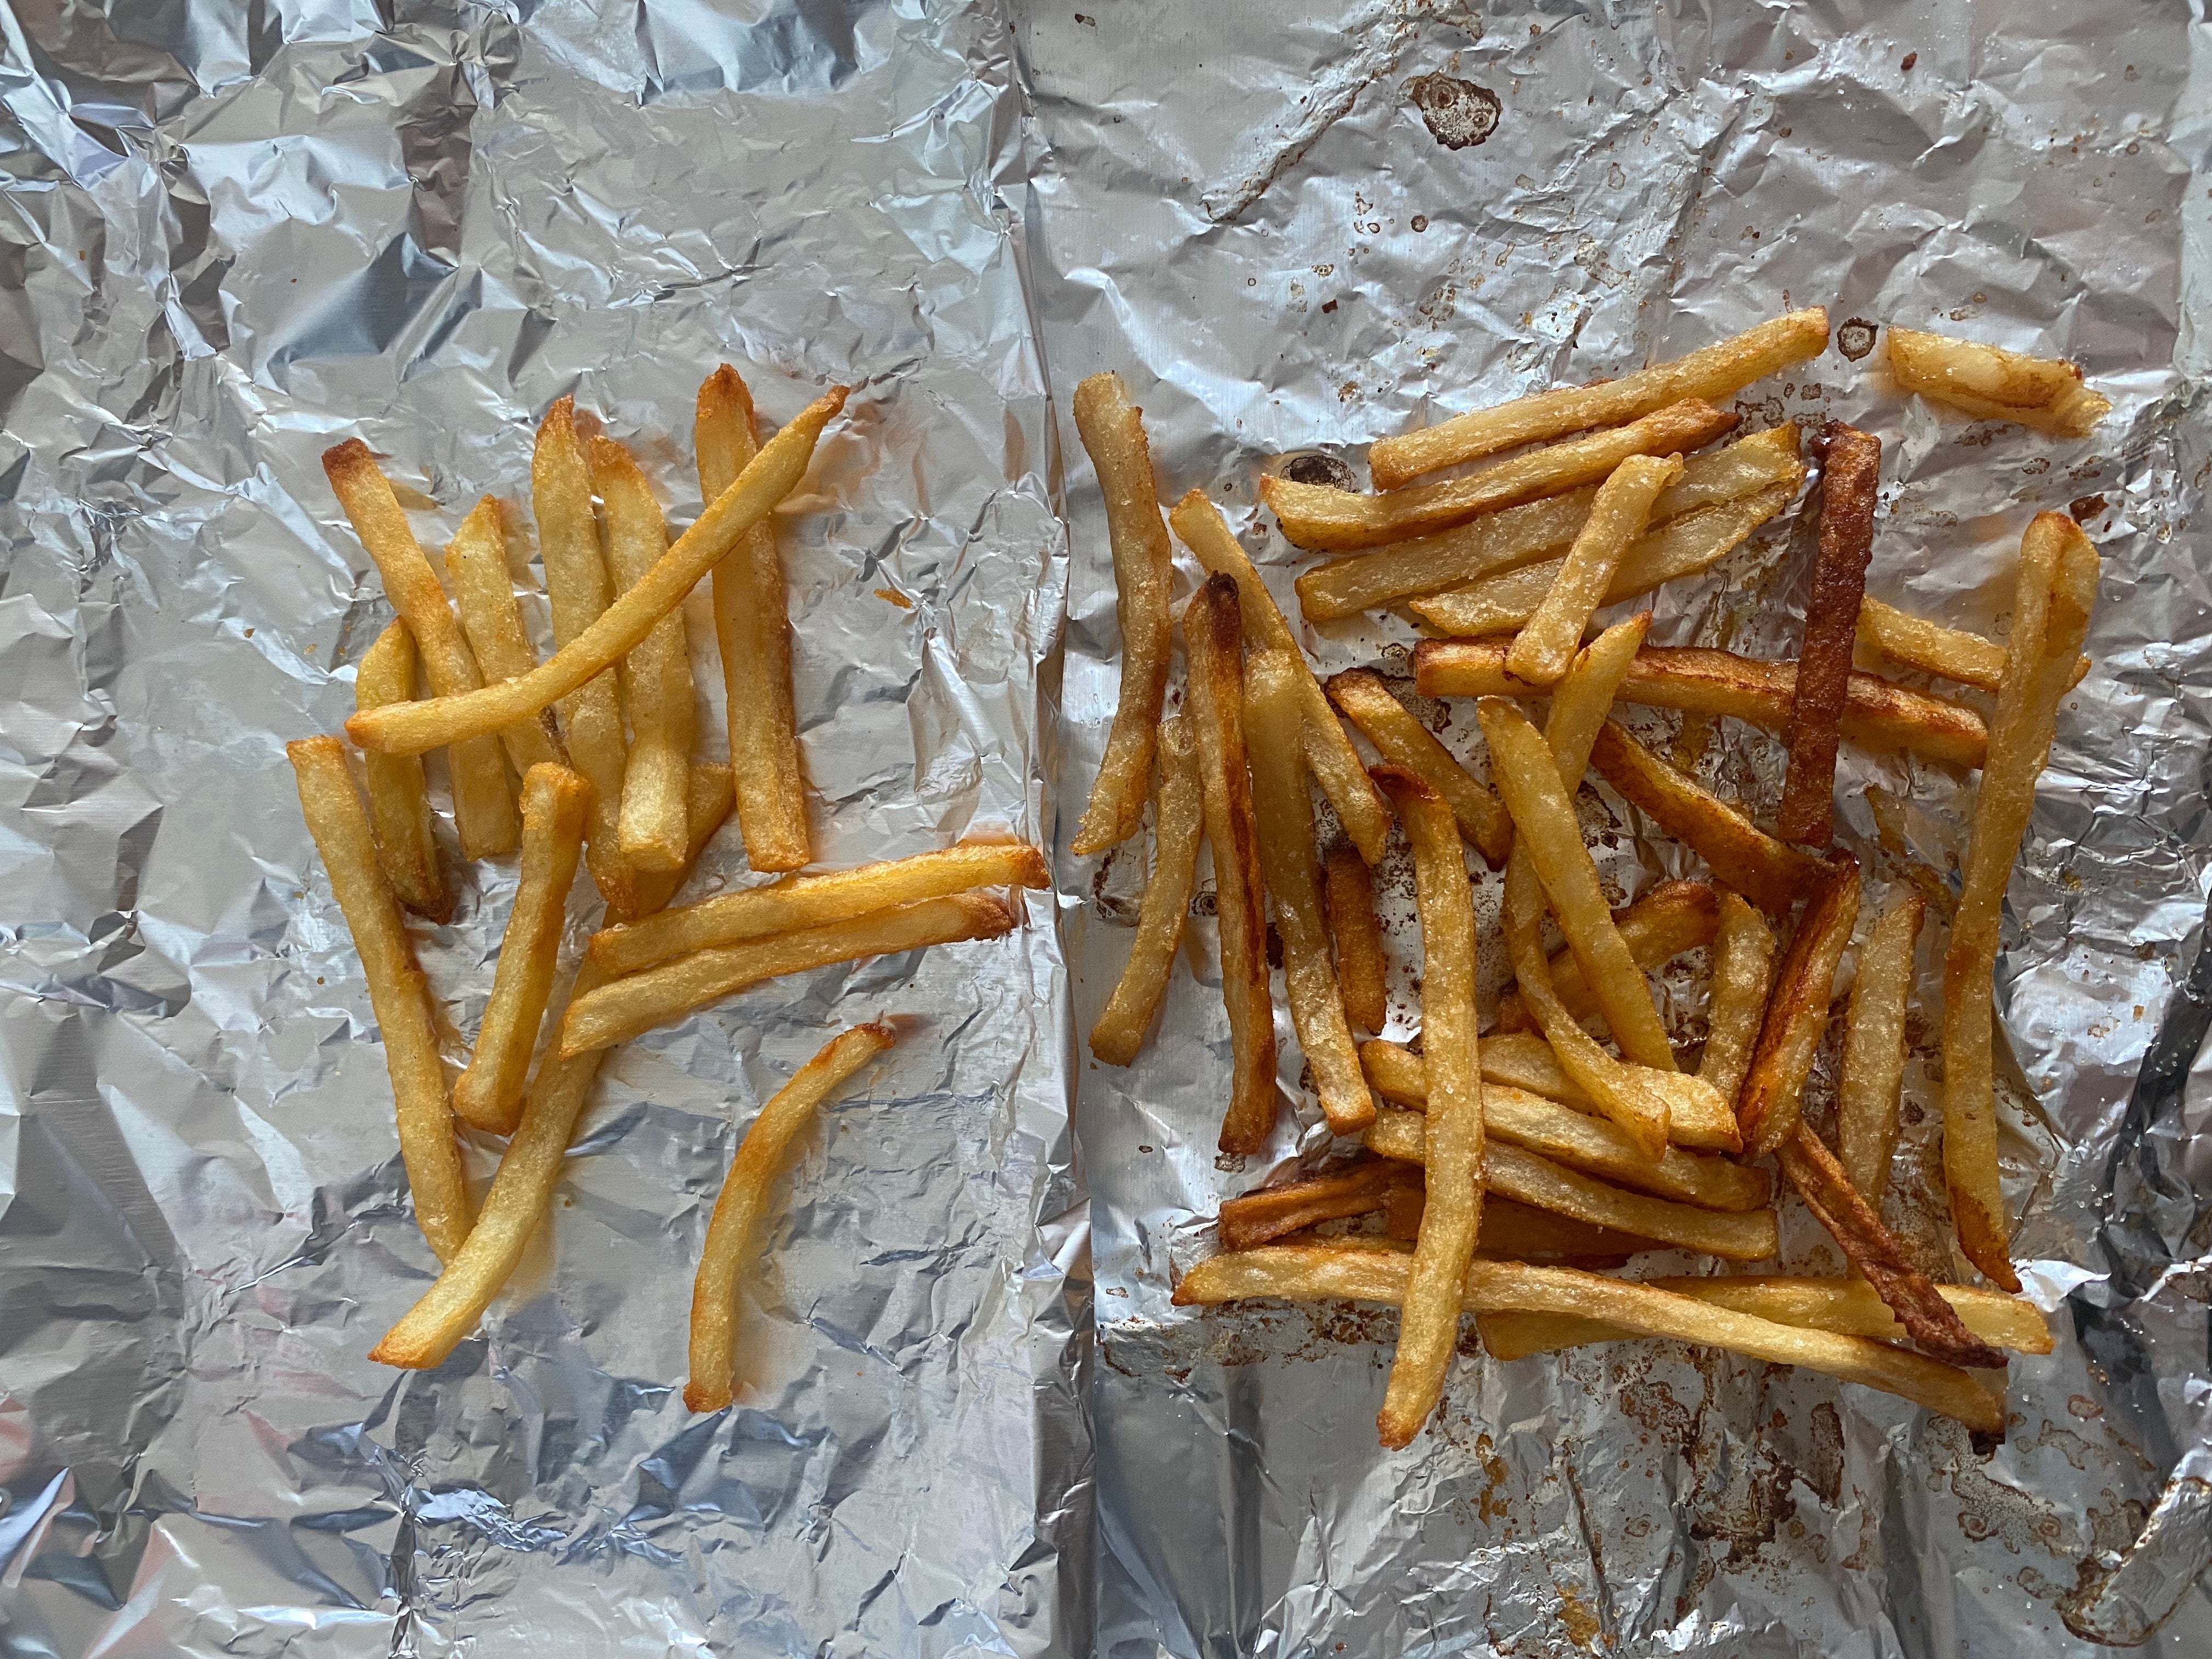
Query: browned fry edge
(1793, 997)
(1358, 1188)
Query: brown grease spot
(2082, 508)
(1457, 113)
(1855, 338)
(1314, 468)
(1911, 59)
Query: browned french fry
(1992, 383)
(1874, 1050)
(2056, 594)
(1797, 1010)
(1743, 966)
(1736, 1235)
(1351, 924)
(1824, 659)
(484, 596)
(398, 800)
(1546, 644)
(1120, 1032)
(1404, 742)
(1673, 917)
(1269, 1212)
(1524, 1061)
(1522, 1233)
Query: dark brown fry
(1851, 474)
(1360, 1187)
(1797, 1010)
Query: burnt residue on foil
(1457, 113)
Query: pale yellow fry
(730, 1234)
(1553, 633)
(1282, 810)
(1177, 809)
(1950, 653)
(1675, 917)
(752, 629)
(1522, 1060)
(1451, 1219)
(1336, 764)
(1743, 966)
(556, 803)
(1735, 1235)
(398, 799)
(1992, 383)
(1874, 1050)
(398, 993)
(1403, 741)
(483, 594)
(2056, 594)
(1306, 1274)
(1113, 432)
(1359, 968)
(1711, 373)
(483, 805)
(656, 675)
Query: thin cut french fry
(1522, 1060)
(1743, 968)
(656, 675)
(1797, 1010)
(2056, 594)
(398, 800)
(1673, 917)
(1992, 383)
(1113, 432)
(1404, 742)
(556, 803)
(1874, 1050)
(484, 596)
(398, 993)
(1546, 644)
(1176, 826)
(1848, 486)
(1351, 894)
(1711, 373)
(1949, 653)
(745, 1199)
(1269, 1212)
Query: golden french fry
(1950, 653)
(1797, 1010)
(1336, 764)
(1428, 1333)
(1743, 967)
(1992, 383)
(1874, 1050)
(1283, 813)
(1404, 742)
(1515, 1173)
(556, 803)
(1711, 373)
(1359, 1189)
(1673, 917)
(1176, 826)
(1519, 1232)
(483, 595)
(1351, 894)
(1113, 432)
(483, 804)
(1524, 1061)
(396, 990)
(398, 800)
(1848, 485)
(2056, 594)
(745, 1199)
(1546, 644)
(707, 808)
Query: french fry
(656, 675)
(1874, 1050)
(556, 803)
(1358, 1189)
(1697, 1117)
(1351, 896)
(1515, 1173)
(398, 993)
(1770, 872)
(484, 596)
(1992, 383)
(1711, 373)
(1214, 640)
(1329, 521)
(1304, 1274)
(1848, 487)
(1797, 1010)
(1949, 653)
(1673, 917)
(1878, 713)
(752, 632)
(2056, 594)
(1113, 432)
(1546, 644)
(744, 1200)
(771, 475)
(1336, 764)
(398, 799)
(1743, 968)
(1451, 1219)
(1404, 742)
(1519, 1232)
(1176, 815)
(1283, 813)
(628, 1007)
(707, 807)
(483, 804)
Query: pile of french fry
(1502, 1172)
(602, 735)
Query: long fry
(1848, 486)
(1515, 1173)
(1404, 742)
(398, 799)
(1351, 894)
(1542, 649)
(1950, 653)
(484, 596)
(1524, 1061)
(1992, 383)
(1874, 1050)
(398, 993)
(656, 675)
(1673, 917)
(1176, 825)
(1743, 969)
(1797, 1010)
(2056, 594)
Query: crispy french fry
(767, 480)
(656, 675)
(1546, 644)
(1336, 764)
(1824, 657)
(1697, 1116)
(398, 993)
(614, 1013)
(1304, 1273)
(1351, 894)
(1874, 1050)
(1451, 1217)
(1214, 640)
(1673, 917)
(1283, 813)
(1113, 432)
(556, 803)
(398, 800)
(1404, 742)
(1878, 713)
(1797, 1010)
(752, 632)
(1743, 856)
(1736, 1235)
(1992, 383)
(483, 804)
(745, 1199)
(1949, 653)
(1329, 520)
(484, 596)
(2058, 592)
(707, 807)
(1269, 1212)
(1743, 968)
(1711, 373)
(1120, 1032)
